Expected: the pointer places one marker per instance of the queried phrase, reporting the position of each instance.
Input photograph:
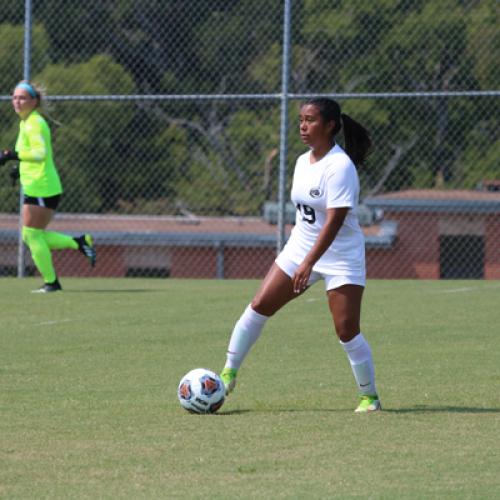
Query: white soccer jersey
(332, 182)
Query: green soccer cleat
(228, 376)
(368, 404)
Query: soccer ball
(201, 391)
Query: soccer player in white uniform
(326, 242)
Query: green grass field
(88, 405)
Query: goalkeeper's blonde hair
(43, 105)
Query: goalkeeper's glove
(7, 155)
(14, 174)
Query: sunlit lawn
(88, 405)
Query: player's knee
(30, 234)
(258, 306)
(261, 307)
(27, 233)
(346, 328)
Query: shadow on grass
(414, 409)
(441, 409)
(122, 290)
(233, 412)
(281, 410)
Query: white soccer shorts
(332, 281)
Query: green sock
(40, 252)
(59, 241)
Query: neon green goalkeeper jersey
(39, 176)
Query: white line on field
(461, 290)
(55, 322)
(464, 289)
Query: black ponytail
(357, 139)
(358, 143)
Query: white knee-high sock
(360, 356)
(246, 331)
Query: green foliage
(84, 32)
(484, 42)
(426, 50)
(402, 47)
(91, 138)
(12, 50)
(159, 158)
(9, 198)
(229, 180)
(480, 161)
(223, 68)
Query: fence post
(26, 76)
(285, 75)
(219, 272)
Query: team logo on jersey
(315, 192)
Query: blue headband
(26, 86)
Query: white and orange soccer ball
(201, 391)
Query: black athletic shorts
(49, 202)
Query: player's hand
(301, 277)
(14, 174)
(7, 155)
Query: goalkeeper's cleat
(368, 404)
(55, 286)
(228, 376)
(86, 246)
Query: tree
(92, 136)
(221, 157)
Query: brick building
(441, 234)
(425, 234)
(179, 247)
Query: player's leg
(345, 306)
(275, 291)
(35, 220)
(61, 241)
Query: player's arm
(38, 148)
(334, 219)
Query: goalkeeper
(41, 186)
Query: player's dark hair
(357, 139)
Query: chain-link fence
(167, 130)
